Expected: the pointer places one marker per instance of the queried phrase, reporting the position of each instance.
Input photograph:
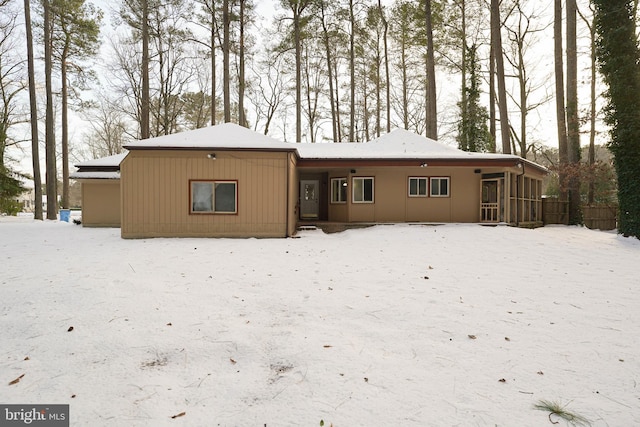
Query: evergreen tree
(618, 58)
(10, 188)
(473, 132)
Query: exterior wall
(100, 202)
(393, 204)
(156, 193)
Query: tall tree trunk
(352, 72)
(226, 63)
(213, 63)
(241, 83)
(145, 100)
(592, 115)
(492, 99)
(405, 84)
(297, 41)
(50, 142)
(325, 38)
(35, 155)
(573, 123)
(432, 111)
(560, 108)
(386, 65)
(336, 85)
(464, 143)
(496, 43)
(65, 129)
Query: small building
(100, 191)
(228, 181)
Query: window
(439, 187)
(362, 190)
(417, 187)
(214, 197)
(338, 190)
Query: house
(228, 181)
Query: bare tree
(592, 105)
(326, 38)
(432, 112)
(298, 8)
(522, 36)
(75, 39)
(496, 44)
(386, 65)
(268, 91)
(35, 155)
(573, 122)
(109, 129)
(50, 142)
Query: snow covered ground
(403, 325)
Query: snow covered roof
(102, 168)
(223, 136)
(401, 144)
(109, 161)
(397, 145)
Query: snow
(393, 325)
(95, 175)
(397, 144)
(227, 135)
(108, 161)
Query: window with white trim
(338, 190)
(417, 187)
(439, 187)
(363, 190)
(214, 197)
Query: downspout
(520, 165)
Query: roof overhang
(508, 162)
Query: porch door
(309, 200)
(491, 206)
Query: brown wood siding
(292, 195)
(156, 194)
(101, 203)
(393, 204)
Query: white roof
(227, 135)
(397, 144)
(109, 161)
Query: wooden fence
(555, 211)
(600, 217)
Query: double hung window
(338, 190)
(417, 187)
(363, 190)
(439, 187)
(214, 197)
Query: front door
(309, 200)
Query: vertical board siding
(101, 203)
(157, 185)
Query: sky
(411, 325)
(543, 119)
